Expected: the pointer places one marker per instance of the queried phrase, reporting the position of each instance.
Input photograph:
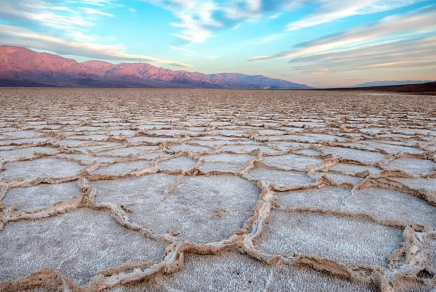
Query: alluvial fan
(216, 190)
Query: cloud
(93, 11)
(407, 53)
(200, 19)
(39, 13)
(100, 3)
(275, 15)
(339, 9)
(69, 21)
(72, 23)
(61, 16)
(23, 37)
(193, 17)
(184, 51)
(419, 21)
(212, 57)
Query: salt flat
(216, 190)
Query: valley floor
(216, 190)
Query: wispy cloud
(69, 29)
(61, 17)
(275, 15)
(93, 11)
(101, 3)
(212, 57)
(339, 9)
(183, 50)
(25, 37)
(408, 53)
(420, 21)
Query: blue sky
(322, 43)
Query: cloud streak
(27, 38)
(408, 53)
(59, 17)
(420, 21)
(183, 50)
(69, 26)
(339, 9)
(93, 11)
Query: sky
(321, 43)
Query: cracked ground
(216, 190)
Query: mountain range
(24, 67)
(392, 82)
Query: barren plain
(216, 190)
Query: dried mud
(216, 190)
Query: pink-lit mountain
(24, 67)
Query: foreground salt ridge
(276, 143)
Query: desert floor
(216, 190)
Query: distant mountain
(24, 67)
(392, 82)
(428, 88)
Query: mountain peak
(96, 62)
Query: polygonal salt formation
(330, 198)
(427, 185)
(41, 168)
(342, 239)
(228, 158)
(128, 151)
(221, 167)
(392, 205)
(353, 169)
(189, 148)
(152, 156)
(413, 166)
(249, 148)
(340, 179)
(41, 196)
(122, 168)
(354, 154)
(77, 244)
(200, 209)
(26, 152)
(292, 162)
(282, 179)
(232, 271)
(19, 134)
(183, 163)
(284, 278)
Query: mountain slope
(23, 66)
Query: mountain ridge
(21, 66)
